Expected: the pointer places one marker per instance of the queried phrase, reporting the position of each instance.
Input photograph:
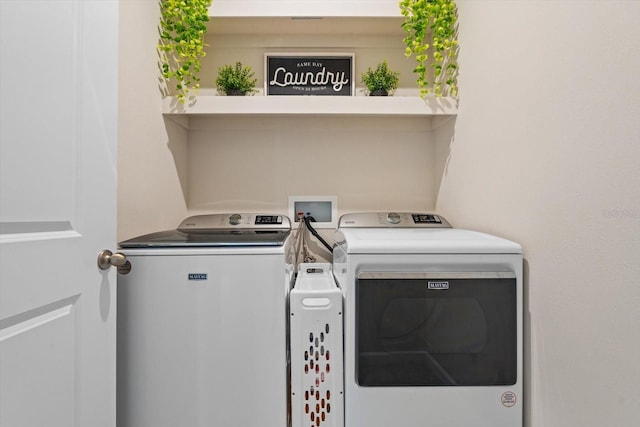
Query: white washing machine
(433, 323)
(202, 324)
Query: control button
(393, 218)
(235, 219)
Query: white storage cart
(316, 349)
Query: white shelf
(304, 8)
(364, 106)
(358, 22)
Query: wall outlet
(323, 208)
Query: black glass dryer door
(422, 329)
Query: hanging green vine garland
(183, 25)
(435, 22)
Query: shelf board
(282, 17)
(363, 106)
(304, 9)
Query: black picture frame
(309, 74)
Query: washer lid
(219, 230)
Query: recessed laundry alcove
(251, 153)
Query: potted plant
(183, 25)
(380, 82)
(432, 28)
(236, 80)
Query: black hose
(307, 222)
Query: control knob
(235, 219)
(393, 218)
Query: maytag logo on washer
(438, 285)
(197, 276)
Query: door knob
(106, 259)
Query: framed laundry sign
(328, 74)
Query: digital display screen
(426, 219)
(268, 219)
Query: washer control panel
(235, 220)
(393, 220)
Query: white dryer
(202, 324)
(433, 323)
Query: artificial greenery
(183, 25)
(236, 79)
(381, 81)
(432, 28)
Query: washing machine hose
(307, 221)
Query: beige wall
(370, 164)
(151, 195)
(545, 151)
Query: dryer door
(436, 329)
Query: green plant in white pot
(236, 80)
(380, 81)
(183, 25)
(432, 29)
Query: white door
(58, 130)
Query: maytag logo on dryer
(438, 285)
(197, 276)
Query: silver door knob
(106, 259)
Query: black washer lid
(219, 230)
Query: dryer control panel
(392, 220)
